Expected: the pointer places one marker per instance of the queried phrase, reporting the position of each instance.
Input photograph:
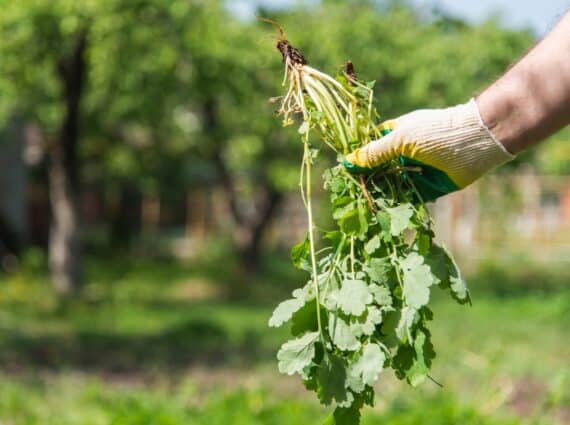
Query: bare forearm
(532, 100)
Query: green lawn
(163, 343)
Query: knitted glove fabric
(453, 147)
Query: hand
(452, 146)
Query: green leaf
(372, 245)
(404, 328)
(334, 236)
(444, 267)
(352, 217)
(332, 380)
(373, 318)
(350, 223)
(284, 311)
(413, 362)
(403, 361)
(459, 288)
(381, 295)
(384, 221)
(330, 294)
(437, 261)
(305, 319)
(390, 323)
(306, 292)
(378, 269)
(363, 216)
(349, 399)
(457, 285)
(343, 206)
(300, 254)
(336, 184)
(353, 297)
(297, 354)
(417, 280)
(400, 218)
(369, 365)
(342, 334)
(344, 416)
(421, 364)
(424, 243)
(354, 222)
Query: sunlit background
(148, 202)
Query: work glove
(452, 146)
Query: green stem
(394, 256)
(417, 192)
(311, 234)
(392, 193)
(352, 257)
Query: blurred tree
(13, 225)
(174, 94)
(72, 66)
(43, 72)
(234, 70)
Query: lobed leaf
(332, 380)
(400, 218)
(342, 335)
(297, 354)
(367, 367)
(284, 311)
(417, 280)
(300, 254)
(353, 297)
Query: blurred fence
(517, 211)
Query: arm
(532, 100)
(456, 146)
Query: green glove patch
(430, 182)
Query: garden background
(148, 201)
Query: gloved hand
(452, 146)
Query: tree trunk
(249, 227)
(13, 176)
(250, 249)
(64, 184)
(10, 242)
(123, 216)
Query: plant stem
(366, 194)
(394, 256)
(352, 256)
(311, 234)
(336, 258)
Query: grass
(160, 342)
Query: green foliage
(380, 263)
(96, 402)
(155, 69)
(135, 351)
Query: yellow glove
(453, 146)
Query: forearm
(532, 100)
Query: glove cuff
(473, 104)
(462, 145)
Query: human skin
(531, 100)
(455, 146)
